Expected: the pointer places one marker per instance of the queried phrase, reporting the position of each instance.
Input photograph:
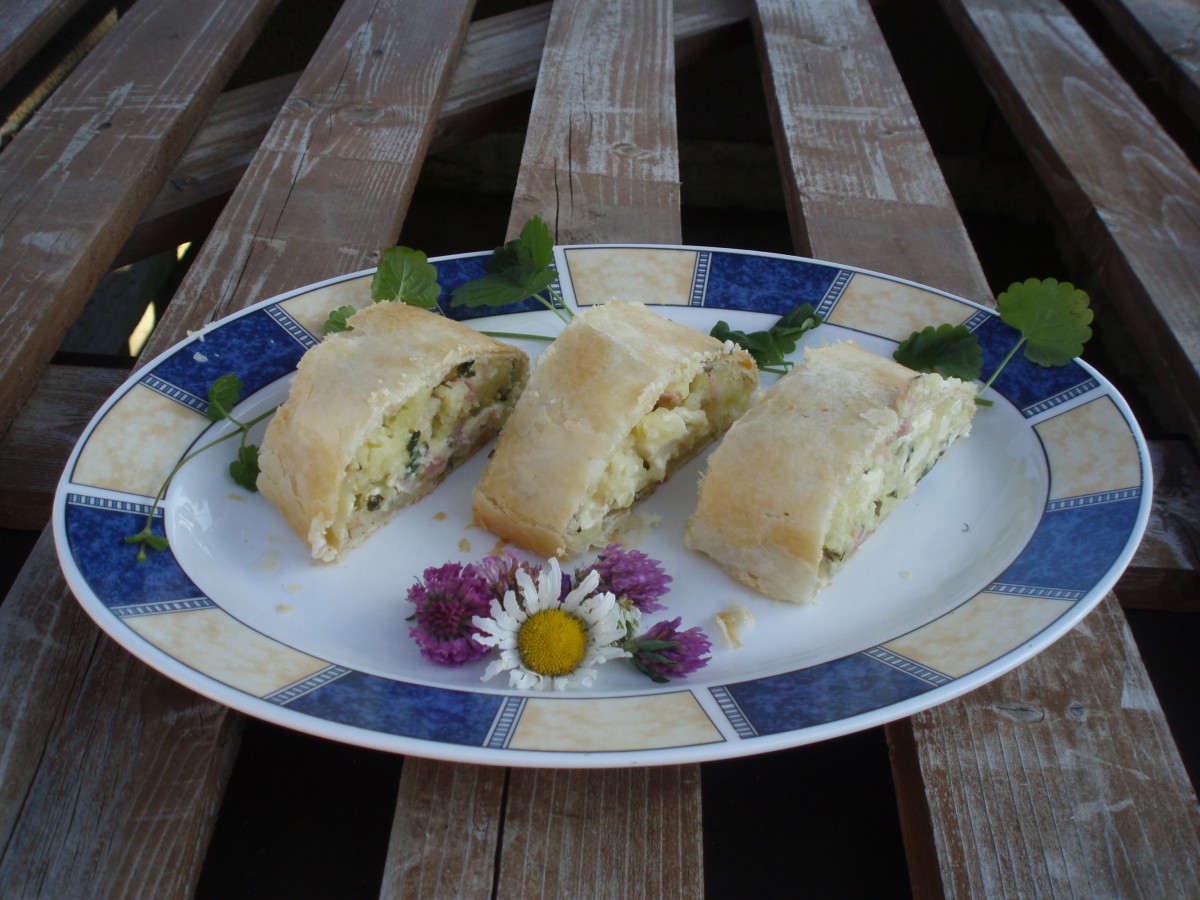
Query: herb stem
(1011, 353)
(243, 429)
(516, 335)
(559, 308)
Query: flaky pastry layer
(377, 416)
(805, 476)
(619, 401)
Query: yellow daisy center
(552, 642)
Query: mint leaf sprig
(519, 270)
(951, 351)
(1053, 319)
(403, 274)
(770, 348)
(223, 395)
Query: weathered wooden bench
(1061, 777)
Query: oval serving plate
(1005, 546)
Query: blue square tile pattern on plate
(109, 564)
(777, 285)
(453, 273)
(1079, 539)
(826, 693)
(1029, 387)
(396, 707)
(256, 347)
(1095, 533)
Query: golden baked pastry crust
(343, 389)
(770, 492)
(609, 368)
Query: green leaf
(157, 541)
(501, 288)
(771, 347)
(145, 538)
(536, 239)
(244, 469)
(223, 395)
(406, 275)
(1052, 316)
(337, 319)
(803, 318)
(516, 271)
(949, 350)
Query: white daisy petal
(581, 591)
(599, 614)
(494, 668)
(550, 585)
(528, 589)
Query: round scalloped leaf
(951, 351)
(1052, 316)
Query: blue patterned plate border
(947, 599)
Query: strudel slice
(377, 416)
(619, 401)
(803, 478)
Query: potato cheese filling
(375, 417)
(687, 414)
(927, 430)
(621, 399)
(418, 443)
(804, 477)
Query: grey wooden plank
(601, 152)
(1070, 811)
(617, 149)
(25, 28)
(76, 178)
(130, 827)
(861, 182)
(1128, 193)
(1165, 37)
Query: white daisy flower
(546, 643)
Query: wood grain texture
(34, 450)
(154, 754)
(1165, 37)
(445, 833)
(1047, 817)
(1165, 571)
(332, 180)
(601, 157)
(1129, 194)
(860, 179)
(602, 125)
(612, 833)
(1062, 778)
(26, 26)
(74, 181)
(208, 170)
(110, 775)
(490, 87)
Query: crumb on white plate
(633, 527)
(731, 620)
